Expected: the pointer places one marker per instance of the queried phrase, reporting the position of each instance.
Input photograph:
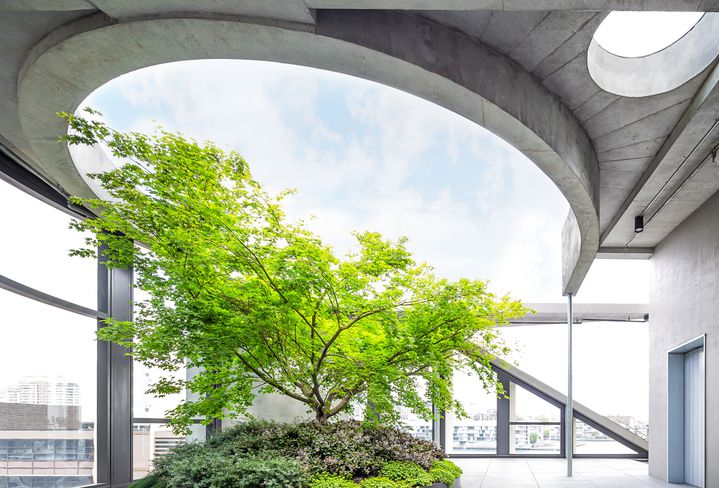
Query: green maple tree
(260, 304)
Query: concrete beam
(404, 51)
(625, 252)
(288, 10)
(513, 5)
(45, 5)
(556, 313)
(509, 5)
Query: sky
(362, 156)
(635, 34)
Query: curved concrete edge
(578, 253)
(662, 71)
(403, 51)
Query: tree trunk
(321, 416)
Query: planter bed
(343, 454)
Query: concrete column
(446, 432)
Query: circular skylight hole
(636, 34)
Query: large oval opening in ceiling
(637, 34)
(362, 156)
(640, 54)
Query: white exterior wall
(684, 304)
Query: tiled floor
(551, 473)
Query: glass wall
(48, 356)
(610, 365)
(47, 395)
(416, 426)
(34, 249)
(477, 433)
(589, 440)
(411, 423)
(151, 437)
(48, 385)
(534, 424)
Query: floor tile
(551, 473)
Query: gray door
(694, 417)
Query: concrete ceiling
(614, 157)
(631, 136)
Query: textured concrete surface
(550, 473)
(683, 306)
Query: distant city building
(150, 441)
(478, 433)
(45, 446)
(42, 390)
(43, 441)
(414, 425)
(38, 417)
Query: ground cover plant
(306, 454)
(259, 304)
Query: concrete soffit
(400, 50)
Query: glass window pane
(36, 255)
(146, 405)
(476, 434)
(409, 422)
(149, 441)
(619, 388)
(534, 439)
(541, 351)
(590, 441)
(534, 425)
(416, 426)
(48, 360)
(528, 407)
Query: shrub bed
(344, 454)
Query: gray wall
(684, 304)
(25, 416)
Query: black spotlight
(638, 223)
